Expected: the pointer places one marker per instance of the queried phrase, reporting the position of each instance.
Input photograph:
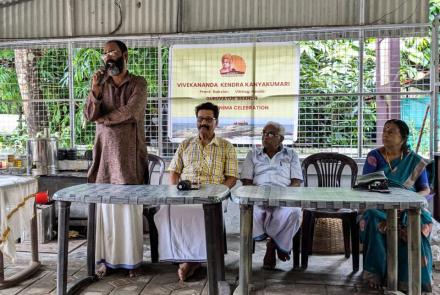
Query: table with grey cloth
(211, 196)
(335, 198)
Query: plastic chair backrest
(329, 167)
(154, 161)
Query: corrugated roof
(64, 18)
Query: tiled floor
(325, 275)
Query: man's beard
(115, 67)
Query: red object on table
(42, 197)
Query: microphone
(104, 77)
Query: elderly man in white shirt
(275, 165)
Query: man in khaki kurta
(116, 104)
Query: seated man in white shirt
(279, 166)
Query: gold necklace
(388, 159)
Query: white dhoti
(119, 236)
(279, 223)
(181, 233)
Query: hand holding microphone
(98, 80)
(105, 74)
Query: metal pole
(409, 93)
(419, 140)
(178, 37)
(436, 209)
(70, 18)
(159, 100)
(254, 94)
(70, 56)
(434, 85)
(360, 123)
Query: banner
(251, 84)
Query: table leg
(214, 247)
(91, 240)
(306, 237)
(414, 254)
(245, 271)
(221, 247)
(354, 231)
(63, 246)
(392, 249)
(34, 236)
(2, 268)
(76, 286)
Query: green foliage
(434, 9)
(331, 67)
(415, 58)
(144, 62)
(15, 142)
(85, 62)
(59, 123)
(9, 90)
(52, 67)
(414, 134)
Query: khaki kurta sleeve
(128, 113)
(92, 110)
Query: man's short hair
(120, 44)
(208, 106)
(278, 126)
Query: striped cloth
(16, 210)
(205, 164)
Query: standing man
(116, 104)
(204, 159)
(278, 166)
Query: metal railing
(351, 80)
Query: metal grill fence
(435, 86)
(351, 81)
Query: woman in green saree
(404, 169)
